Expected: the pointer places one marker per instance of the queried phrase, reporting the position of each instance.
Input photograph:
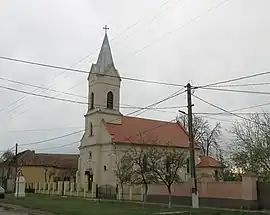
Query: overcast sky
(173, 41)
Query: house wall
(206, 171)
(34, 174)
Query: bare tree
(142, 174)
(205, 135)
(9, 159)
(166, 164)
(123, 172)
(251, 145)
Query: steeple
(105, 60)
(104, 82)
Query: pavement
(11, 212)
(7, 209)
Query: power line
(238, 109)
(51, 139)
(69, 134)
(223, 113)
(58, 147)
(70, 127)
(121, 33)
(178, 92)
(40, 87)
(137, 52)
(234, 79)
(43, 129)
(86, 72)
(179, 27)
(142, 132)
(128, 28)
(73, 101)
(244, 85)
(44, 96)
(220, 108)
(127, 78)
(236, 91)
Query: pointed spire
(105, 60)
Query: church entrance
(89, 174)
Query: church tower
(103, 89)
(103, 106)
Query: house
(108, 133)
(41, 167)
(208, 165)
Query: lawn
(75, 206)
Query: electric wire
(233, 80)
(222, 109)
(87, 72)
(76, 132)
(244, 85)
(236, 91)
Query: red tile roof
(207, 161)
(134, 130)
(30, 158)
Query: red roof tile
(207, 161)
(134, 130)
(30, 158)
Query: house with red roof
(108, 133)
(208, 165)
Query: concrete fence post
(49, 187)
(60, 187)
(142, 193)
(85, 189)
(93, 190)
(66, 187)
(130, 193)
(71, 188)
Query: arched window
(91, 129)
(110, 100)
(92, 100)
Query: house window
(91, 129)
(105, 168)
(110, 100)
(92, 100)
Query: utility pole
(195, 196)
(16, 166)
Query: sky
(174, 41)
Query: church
(108, 133)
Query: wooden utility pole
(195, 197)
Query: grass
(75, 206)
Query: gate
(106, 192)
(263, 192)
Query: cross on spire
(106, 28)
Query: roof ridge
(169, 122)
(55, 154)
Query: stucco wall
(37, 173)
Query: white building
(108, 133)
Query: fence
(67, 188)
(246, 194)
